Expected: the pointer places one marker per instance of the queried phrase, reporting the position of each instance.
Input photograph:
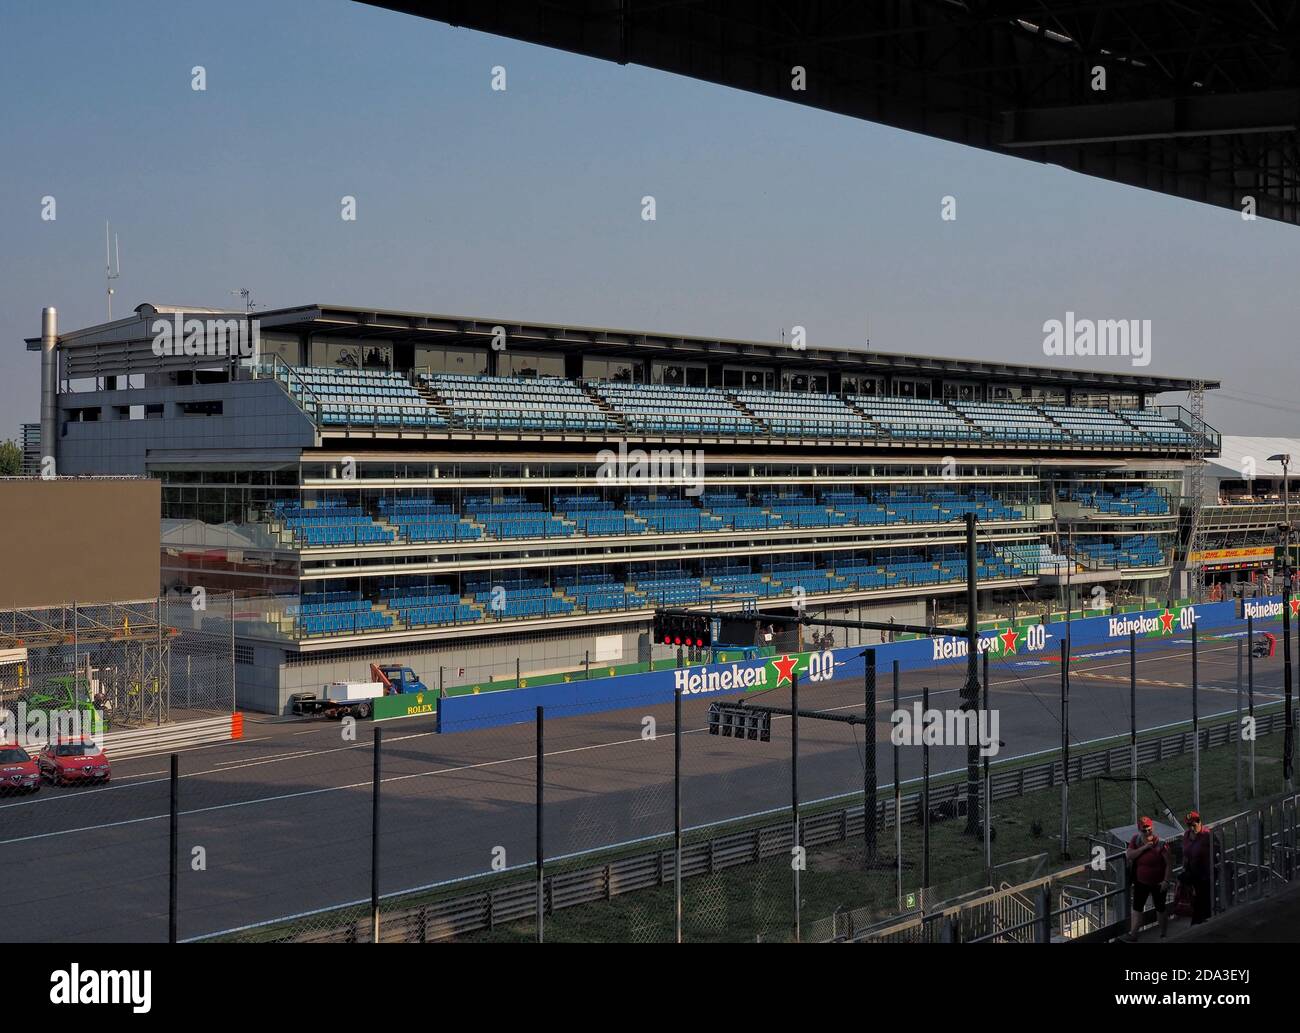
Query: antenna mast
(112, 267)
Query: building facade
(489, 499)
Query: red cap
(1145, 822)
(1193, 816)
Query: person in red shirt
(1149, 861)
(1198, 867)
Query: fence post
(677, 810)
(1133, 721)
(1196, 725)
(1237, 756)
(987, 810)
(898, 803)
(1043, 914)
(160, 670)
(1065, 746)
(925, 797)
(374, 837)
(540, 812)
(174, 846)
(1250, 694)
(795, 860)
(234, 699)
(869, 759)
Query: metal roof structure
(1237, 454)
(109, 347)
(1201, 98)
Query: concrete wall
(257, 415)
(493, 658)
(85, 541)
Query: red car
(18, 772)
(73, 760)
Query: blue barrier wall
(1029, 646)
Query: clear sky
(526, 204)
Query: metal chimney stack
(49, 382)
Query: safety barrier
(171, 737)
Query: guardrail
(485, 909)
(167, 738)
(1254, 853)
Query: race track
(279, 823)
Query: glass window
(350, 353)
(621, 371)
(450, 360)
(287, 346)
(531, 364)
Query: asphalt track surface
(279, 823)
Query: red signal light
(677, 640)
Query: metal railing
(1254, 853)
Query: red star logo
(1295, 607)
(1167, 623)
(785, 669)
(1009, 638)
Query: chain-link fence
(131, 664)
(650, 827)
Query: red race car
(18, 772)
(73, 760)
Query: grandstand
(374, 481)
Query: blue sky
(526, 203)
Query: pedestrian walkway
(1275, 919)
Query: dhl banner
(1254, 554)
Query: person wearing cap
(1198, 867)
(1148, 858)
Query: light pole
(1288, 742)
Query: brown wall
(85, 541)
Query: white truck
(339, 699)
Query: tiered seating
(665, 515)
(738, 581)
(1037, 558)
(596, 592)
(860, 574)
(805, 415)
(515, 517)
(1137, 550)
(1157, 428)
(1145, 501)
(521, 596)
(593, 515)
(518, 403)
(1009, 421)
(813, 580)
(798, 510)
(337, 613)
(330, 522)
(921, 418)
(431, 604)
(1093, 425)
(658, 408)
(423, 520)
(363, 397)
(739, 514)
(667, 586)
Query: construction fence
(134, 664)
